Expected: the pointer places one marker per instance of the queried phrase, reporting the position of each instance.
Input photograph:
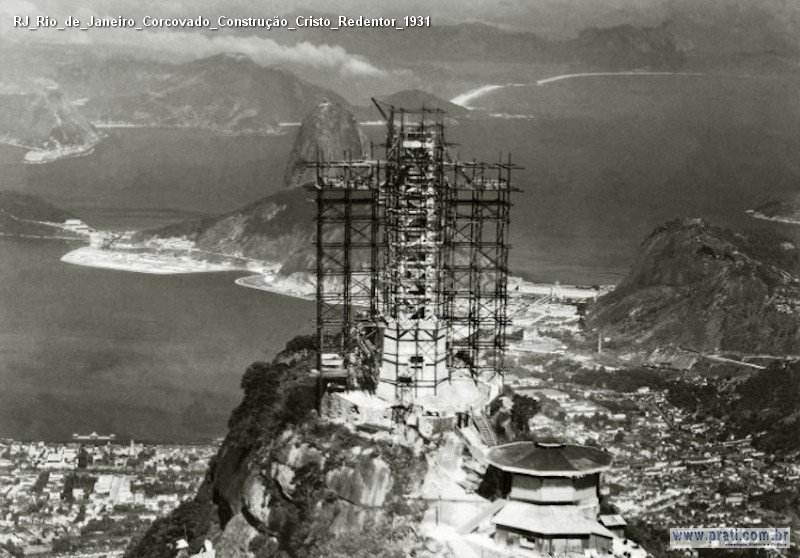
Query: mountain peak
(328, 132)
(702, 287)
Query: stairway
(475, 522)
(485, 429)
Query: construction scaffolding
(412, 263)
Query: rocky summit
(286, 483)
(327, 133)
(705, 288)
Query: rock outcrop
(285, 483)
(234, 542)
(366, 482)
(328, 133)
(700, 287)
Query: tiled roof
(549, 459)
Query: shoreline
(784, 220)
(625, 73)
(276, 285)
(44, 156)
(264, 278)
(265, 275)
(464, 99)
(42, 237)
(38, 156)
(146, 262)
(279, 131)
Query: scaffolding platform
(412, 261)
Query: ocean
(605, 160)
(150, 357)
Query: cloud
(11, 8)
(172, 45)
(178, 46)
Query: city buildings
(85, 498)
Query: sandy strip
(466, 98)
(785, 220)
(152, 263)
(596, 74)
(276, 285)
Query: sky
(708, 24)
(550, 17)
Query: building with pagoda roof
(549, 459)
(553, 493)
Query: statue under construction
(412, 271)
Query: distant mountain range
(697, 286)
(227, 92)
(233, 94)
(626, 46)
(619, 47)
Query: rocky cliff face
(45, 122)
(704, 288)
(285, 483)
(329, 132)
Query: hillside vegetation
(708, 289)
(24, 214)
(280, 227)
(284, 483)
